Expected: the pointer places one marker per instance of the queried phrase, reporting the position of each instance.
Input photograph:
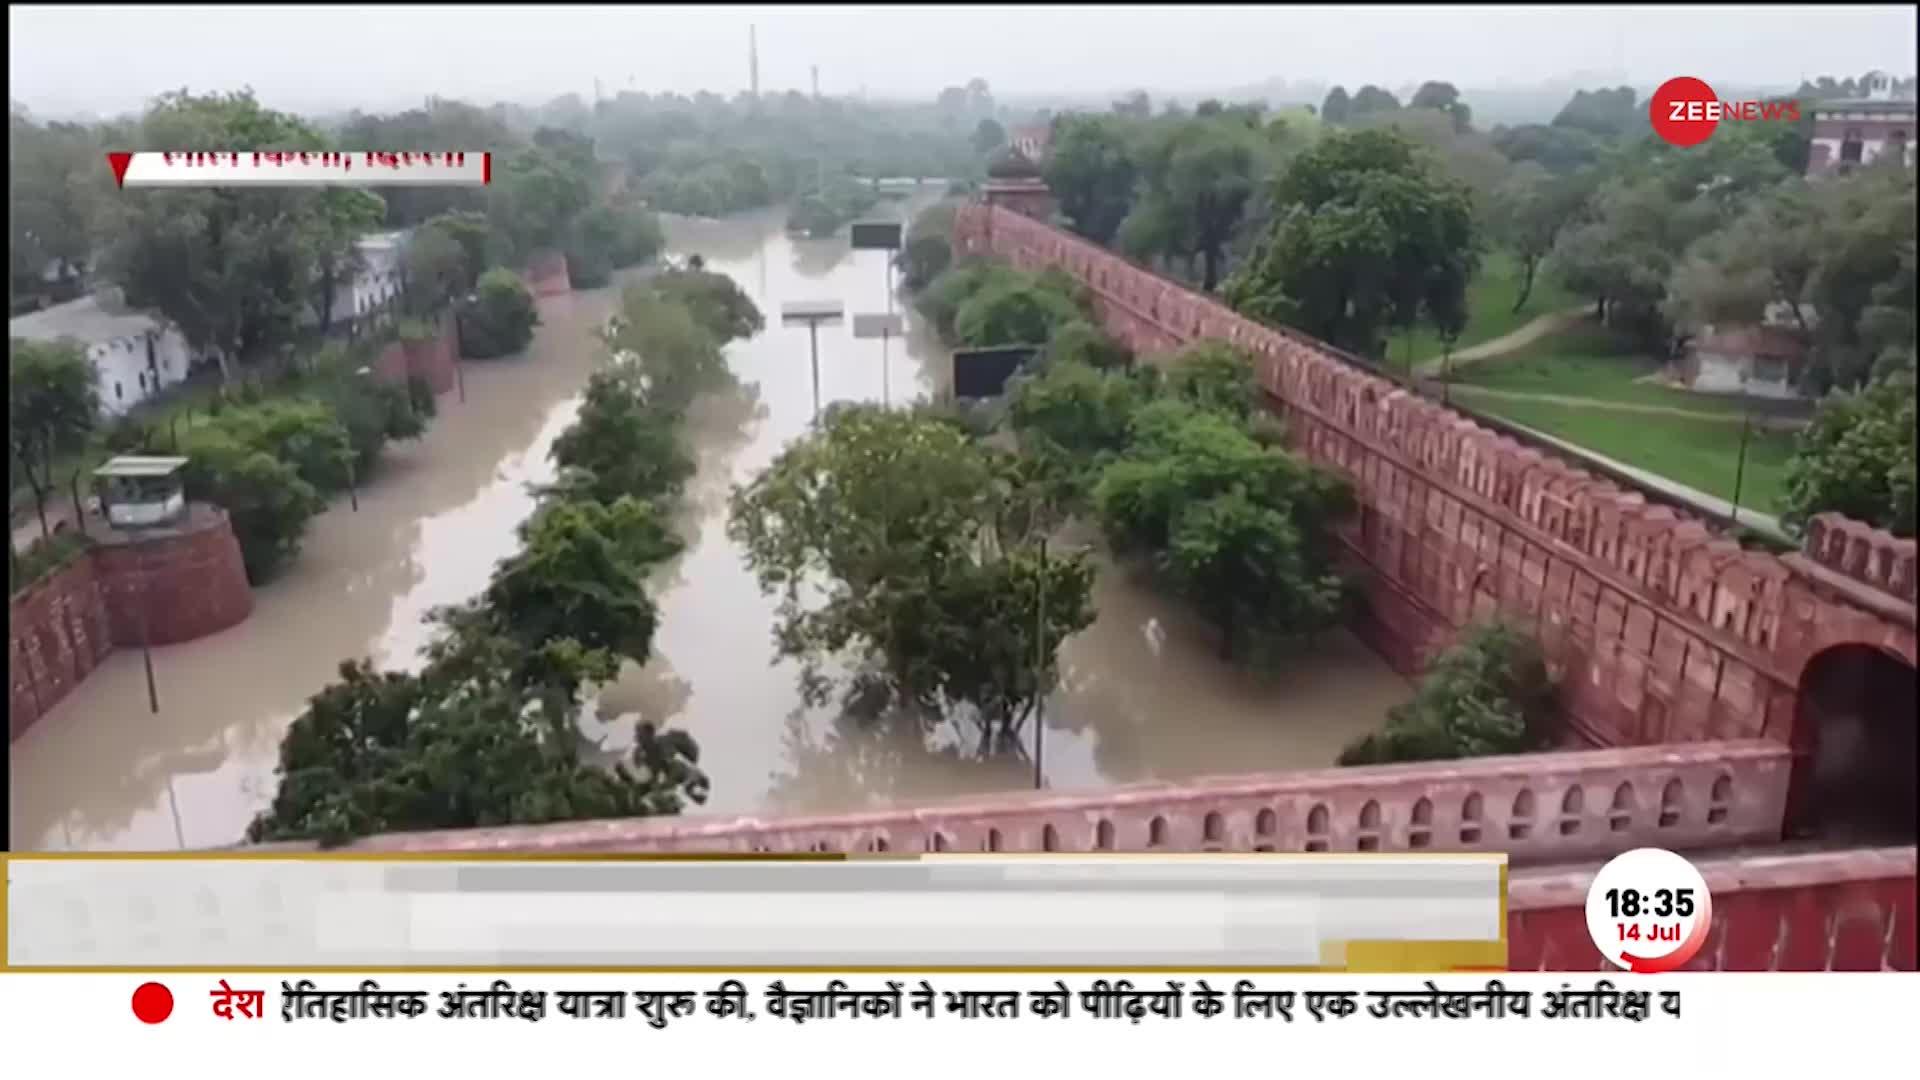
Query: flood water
(1142, 696)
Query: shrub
(306, 434)
(1012, 313)
(267, 502)
(501, 318)
(1489, 694)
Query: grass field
(1588, 361)
(1490, 311)
(1702, 454)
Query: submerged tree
(906, 550)
(1491, 693)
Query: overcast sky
(111, 59)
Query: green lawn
(1588, 361)
(1490, 311)
(1701, 454)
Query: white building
(135, 354)
(1849, 134)
(377, 281)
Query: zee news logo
(1684, 111)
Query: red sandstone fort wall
(176, 588)
(56, 635)
(1659, 629)
(547, 275)
(431, 359)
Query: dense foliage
(500, 319)
(909, 557)
(1857, 458)
(487, 733)
(52, 402)
(1490, 693)
(1369, 236)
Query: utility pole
(816, 82)
(753, 62)
(1039, 666)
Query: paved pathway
(1511, 341)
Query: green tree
(1013, 312)
(1197, 181)
(1607, 113)
(1489, 694)
(1244, 530)
(1082, 411)
(715, 301)
(58, 199)
(927, 250)
(436, 269)
(1337, 107)
(1527, 214)
(1081, 342)
(501, 318)
(618, 446)
(1443, 97)
(302, 433)
(1367, 237)
(1623, 257)
(1091, 171)
(1369, 100)
(235, 269)
(988, 136)
(53, 402)
(534, 199)
(266, 501)
(1215, 376)
(578, 577)
(384, 752)
(673, 356)
(1862, 286)
(1857, 458)
(902, 526)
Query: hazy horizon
(107, 60)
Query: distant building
(377, 283)
(1849, 134)
(135, 354)
(1757, 360)
(1032, 141)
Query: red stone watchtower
(1014, 182)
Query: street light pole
(813, 341)
(1039, 666)
(1740, 466)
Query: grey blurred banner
(932, 911)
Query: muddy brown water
(1143, 695)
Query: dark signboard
(983, 373)
(876, 235)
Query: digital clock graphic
(1649, 911)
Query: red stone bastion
(159, 587)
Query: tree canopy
(1367, 237)
(1490, 693)
(906, 554)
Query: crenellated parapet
(1662, 627)
(1537, 808)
